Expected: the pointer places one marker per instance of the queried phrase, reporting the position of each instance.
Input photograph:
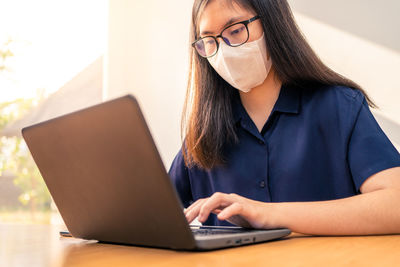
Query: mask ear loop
(264, 52)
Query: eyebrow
(229, 22)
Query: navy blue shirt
(318, 144)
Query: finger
(201, 200)
(216, 211)
(197, 202)
(240, 221)
(216, 201)
(194, 211)
(232, 210)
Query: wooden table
(40, 245)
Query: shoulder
(333, 99)
(333, 104)
(333, 94)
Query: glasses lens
(206, 46)
(235, 35)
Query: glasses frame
(244, 22)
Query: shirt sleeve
(370, 150)
(179, 175)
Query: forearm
(377, 212)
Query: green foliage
(12, 110)
(5, 53)
(27, 176)
(15, 158)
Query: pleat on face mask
(244, 67)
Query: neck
(261, 99)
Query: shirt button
(262, 184)
(261, 142)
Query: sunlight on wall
(53, 41)
(147, 55)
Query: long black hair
(207, 121)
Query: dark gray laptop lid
(94, 162)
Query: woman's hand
(235, 209)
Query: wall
(148, 56)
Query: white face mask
(244, 67)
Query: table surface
(41, 245)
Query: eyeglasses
(233, 35)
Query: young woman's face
(219, 14)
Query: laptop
(108, 181)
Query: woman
(273, 137)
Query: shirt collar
(288, 102)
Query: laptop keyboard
(205, 232)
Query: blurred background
(58, 56)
